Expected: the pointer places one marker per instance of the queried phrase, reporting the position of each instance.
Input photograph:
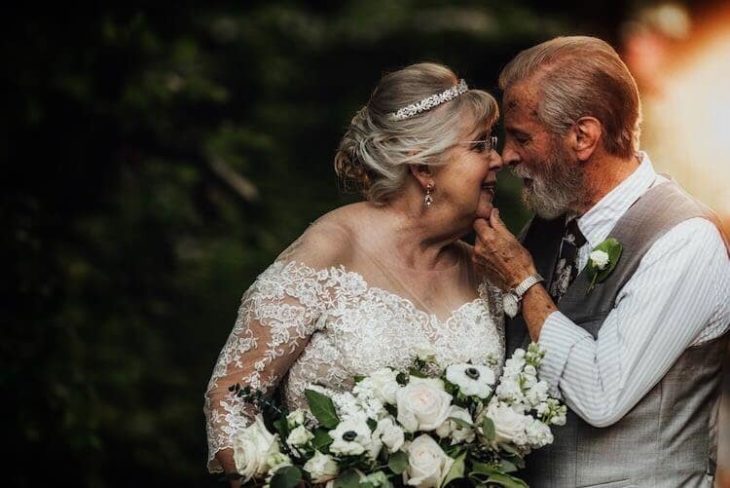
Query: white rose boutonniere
(603, 260)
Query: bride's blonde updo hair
(374, 154)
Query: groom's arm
(676, 298)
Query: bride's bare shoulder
(329, 240)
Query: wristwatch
(512, 300)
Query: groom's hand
(507, 263)
(500, 254)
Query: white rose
(422, 404)
(472, 379)
(321, 468)
(599, 259)
(299, 437)
(457, 432)
(428, 464)
(538, 434)
(390, 434)
(509, 425)
(351, 437)
(295, 418)
(251, 448)
(385, 385)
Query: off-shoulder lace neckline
(406, 302)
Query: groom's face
(551, 174)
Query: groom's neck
(603, 173)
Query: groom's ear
(422, 173)
(585, 137)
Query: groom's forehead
(520, 99)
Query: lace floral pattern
(326, 326)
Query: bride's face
(465, 183)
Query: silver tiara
(430, 102)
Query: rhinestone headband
(430, 102)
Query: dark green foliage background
(156, 158)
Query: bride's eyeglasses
(483, 145)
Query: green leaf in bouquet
(322, 408)
(456, 471)
(507, 466)
(286, 477)
(372, 424)
(488, 429)
(348, 479)
(450, 388)
(322, 439)
(507, 481)
(461, 423)
(281, 427)
(398, 462)
(402, 379)
(482, 468)
(510, 450)
(517, 460)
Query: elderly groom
(637, 354)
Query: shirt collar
(598, 222)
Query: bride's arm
(276, 317)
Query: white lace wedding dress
(303, 324)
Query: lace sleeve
(276, 317)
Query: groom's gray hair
(581, 76)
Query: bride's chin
(483, 211)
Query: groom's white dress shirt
(677, 298)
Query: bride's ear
(585, 137)
(423, 174)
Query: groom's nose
(510, 157)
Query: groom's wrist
(537, 306)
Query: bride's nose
(495, 162)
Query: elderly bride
(371, 284)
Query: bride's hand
(500, 254)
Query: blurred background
(156, 158)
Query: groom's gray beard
(558, 186)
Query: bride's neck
(415, 238)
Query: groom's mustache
(522, 172)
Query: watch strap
(527, 283)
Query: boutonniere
(602, 261)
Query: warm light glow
(688, 121)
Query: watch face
(510, 304)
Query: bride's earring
(428, 199)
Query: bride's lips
(490, 187)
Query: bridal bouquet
(425, 427)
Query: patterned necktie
(566, 268)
